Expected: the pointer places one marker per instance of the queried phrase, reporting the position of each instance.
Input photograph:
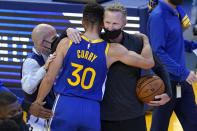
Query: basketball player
(80, 85)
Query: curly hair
(93, 14)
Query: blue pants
(76, 114)
(184, 107)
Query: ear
(83, 23)
(124, 23)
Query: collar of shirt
(44, 56)
(167, 7)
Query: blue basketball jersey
(84, 70)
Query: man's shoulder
(157, 12)
(131, 37)
(132, 42)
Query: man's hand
(191, 78)
(160, 100)
(38, 110)
(50, 59)
(73, 35)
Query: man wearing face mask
(11, 117)
(35, 67)
(120, 109)
(166, 38)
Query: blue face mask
(112, 34)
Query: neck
(93, 34)
(170, 4)
(118, 39)
(39, 53)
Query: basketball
(148, 87)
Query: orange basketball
(148, 87)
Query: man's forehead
(113, 14)
(6, 110)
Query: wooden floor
(174, 122)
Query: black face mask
(54, 44)
(57, 40)
(18, 119)
(112, 34)
(176, 2)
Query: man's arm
(32, 74)
(158, 37)
(53, 71)
(146, 50)
(118, 52)
(190, 45)
(161, 71)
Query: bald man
(35, 67)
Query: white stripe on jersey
(47, 127)
(103, 87)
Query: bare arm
(118, 52)
(146, 50)
(54, 69)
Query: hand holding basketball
(160, 100)
(148, 87)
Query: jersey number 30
(79, 79)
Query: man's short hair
(93, 14)
(116, 6)
(7, 98)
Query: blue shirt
(84, 70)
(166, 38)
